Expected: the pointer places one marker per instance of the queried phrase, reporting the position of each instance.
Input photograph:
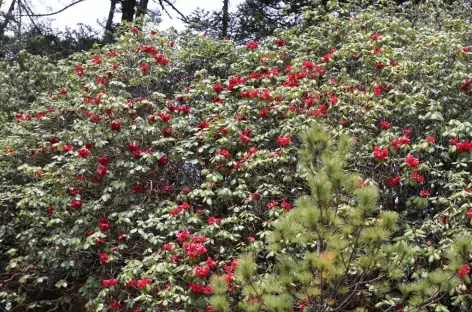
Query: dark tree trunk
(142, 8)
(109, 25)
(127, 8)
(8, 17)
(225, 18)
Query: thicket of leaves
(137, 171)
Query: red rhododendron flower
(213, 220)
(407, 132)
(143, 282)
(411, 161)
(469, 214)
(326, 57)
(380, 154)
(252, 45)
(103, 160)
(115, 305)
(210, 263)
(115, 126)
(54, 140)
(375, 36)
(377, 90)
(217, 88)
(168, 247)
(96, 59)
(431, 139)
(144, 68)
(134, 29)
(67, 148)
(245, 139)
(186, 190)
(397, 143)
(202, 271)
(102, 170)
(203, 125)
(197, 288)
(247, 132)
(83, 152)
(132, 147)
(279, 42)
(50, 210)
(166, 131)
(424, 193)
(286, 206)
(176, 211)
(385, 125)
(104, 258)
(109, 282)
(75, 204)
(284, 140)
(183, 235)
(463, 271)
(208, 290)
(131, 284)
(224, 153)
(104, 225)
(194, 249)
(163, 161)
(417, 177)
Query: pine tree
(337, 251)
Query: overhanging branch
(56, 12)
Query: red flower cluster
(284, 140)
(397, 143)
(424, 193)
(385, 125)
(104, 225)
(415, 175)
(252, 45)
(109, 282)
(463, 271)
(202, 271)
(194, 249)
(393, 181)
(83, 152)
(212, 220)
(411, 161)
(380, 154)
(201, 289)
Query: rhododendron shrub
(159, 160)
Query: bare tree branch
(8, 17)
(53, 13)
(161, 2)
(29, 12)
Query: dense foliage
(134, 174)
